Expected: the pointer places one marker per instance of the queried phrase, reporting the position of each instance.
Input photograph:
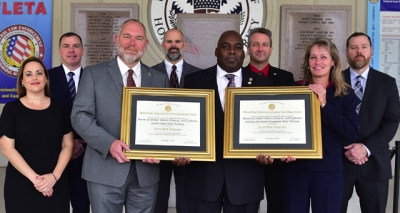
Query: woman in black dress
(36, 137)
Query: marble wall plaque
(97, 23)
(202, 32)
(301, 23)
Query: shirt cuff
(368, 152)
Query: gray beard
(130, 59)
(174, 57)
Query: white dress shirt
(137, 71)
(76, 76)
(222, 82)
(179, 68)
(353, 79)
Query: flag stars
(207, 4)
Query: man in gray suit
(113, 180)
(176, 68)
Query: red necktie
(173, 79)
(129, 81)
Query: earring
(46, 83)
(22, 85)
(308, 68)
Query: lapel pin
(250, 81)
(149, 74)
(275, 73)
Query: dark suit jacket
(339, 121)
(379, 120)
(279, 77)
(59, 88)
(186, 69)
(244, 179)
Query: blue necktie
(358, 89)
(71, 85)
(231, 78)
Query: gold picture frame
(275, 121)
(165, 123)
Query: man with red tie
(260, 49)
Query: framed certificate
(275, 121)
(165, 123)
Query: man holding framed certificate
(231, 184)
(113, 180)
(260, 49)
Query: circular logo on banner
(163, 14)
(373, 1)
(18, 42)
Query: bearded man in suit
(366, 163)
(113, 180)
(176, 68)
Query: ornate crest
(19, 42)
(163, 14)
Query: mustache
(173, 48)
(359, 55)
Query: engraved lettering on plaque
(300, 24)
(101, 28)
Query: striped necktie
(358, 89)
(71, 85)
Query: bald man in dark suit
(176, 68)
(236, 185)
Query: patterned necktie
(71, 85)
(358, 89)
(129, 80)
(231, 78)
(173, 79)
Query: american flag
(191, 47)
(204, 4)
(18, 48)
